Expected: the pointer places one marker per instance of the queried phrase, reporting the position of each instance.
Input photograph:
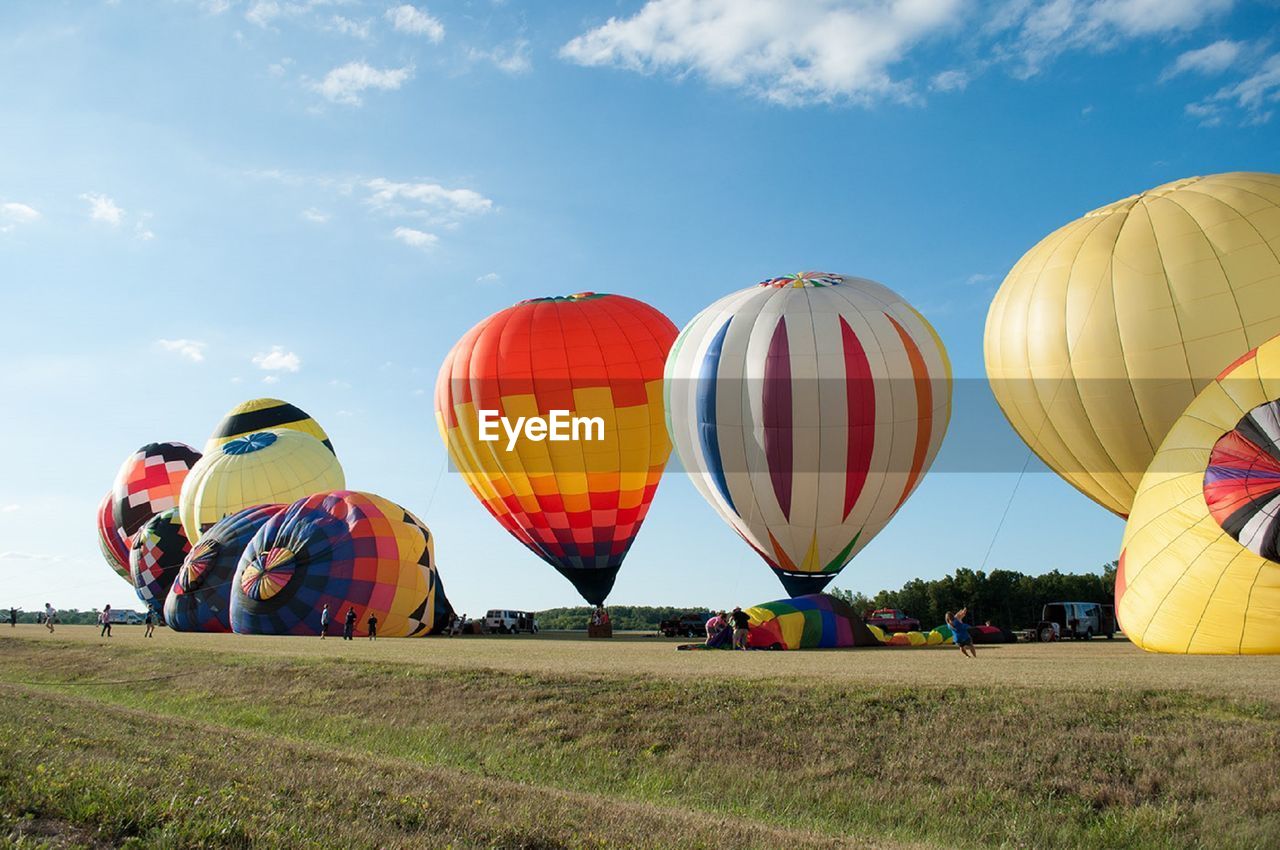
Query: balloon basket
(603, 630)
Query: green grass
(324, 742)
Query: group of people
(733, 627)
(348, 624)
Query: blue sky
(204, 202)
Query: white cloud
(189, 348)
(391, 197)
(216, 7)
(787, 51)
(10, 508)
(346, 26)
(13, 213)
(263, 12)
(345, 83)
(279, 69)
(1254, 97)
(315, 216)
(142, 230)
(102, 208)
(974, 279)
(415, 21)
(1210, 59)
(416, 238)
(278, 360)
(270, 379)
(490, 278)
(511, 59)
(952, 80)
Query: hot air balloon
(347, 550)
(1104, 332)
(1199, 567)
(271, 467)
(259, 414)
(200, 599)
(578, 503)
(155, 556)
(806, 409)
(816, 621)
(114, 546)
(149, 482)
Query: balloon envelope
(815, 621)
(806, 409)
(200, 599)
(271, 467)
(347, 550)
(155, 556)
(259, 414)
(577, 504)
(149, 482)
(1199, 567)
(1104, 332)
(113, 545)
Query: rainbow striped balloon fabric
(815, 621)
(576, 504)
(806, 409)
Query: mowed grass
(227, 741)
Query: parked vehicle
(892, 620)
(686, 625)
(1076, 620)
(506, 622)
(125, 617)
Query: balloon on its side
(578, 504)
(272, 467)
(200, 599)
(816, 621)
(149, 482)
(113, 545)
(1106, 330)
(806, 410)
(155, 556)
(347, 550)
(1199, 569)
(259, 414)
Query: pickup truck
(892, 620)
(686, 625)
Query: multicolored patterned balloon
(155, 556)
(200, 599)
(578, 504)
(149, 482)
(814, 621)
(1199, 570)
(348, 550)
(259, 414)
(113, 545)
(272, 467)
(806, 410)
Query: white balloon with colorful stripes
(806, 409)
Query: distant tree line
(623, 617)
(71, 617)
(1010, 600)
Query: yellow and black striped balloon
(260, 414)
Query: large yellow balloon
(1200, 564)
(1104, 332)
(272, 467)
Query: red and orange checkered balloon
(577, 504)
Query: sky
(206, 202)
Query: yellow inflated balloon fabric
(1198, 566)
(259, 414)
(276, 466)
(1104, 332)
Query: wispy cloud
(278, 360)
(356, 29)
(10, 508)
(346, 83)
(103, 209)
(416, 238)
(1252, 99)
(489, 279)
(13, 213)
(429, 199)
(415, 21)
(315, 216)
(952, 80)
(1210, 59)
(513, 58)
(190, 349)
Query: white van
(1077, 620)
(506, 622)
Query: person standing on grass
(741, 628)
(960, 633)
(49, 614)
(324, 620)
(150, 622)
(373, 626)
(13, 618)
(105, 619)
(349, 625)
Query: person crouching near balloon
(741, 628)
(960, 632)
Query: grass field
(550, 742)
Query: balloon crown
(249, 443)
(802, 279)
(1125, 204)
(577, 296)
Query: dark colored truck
(892, 620)
(686, 625)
